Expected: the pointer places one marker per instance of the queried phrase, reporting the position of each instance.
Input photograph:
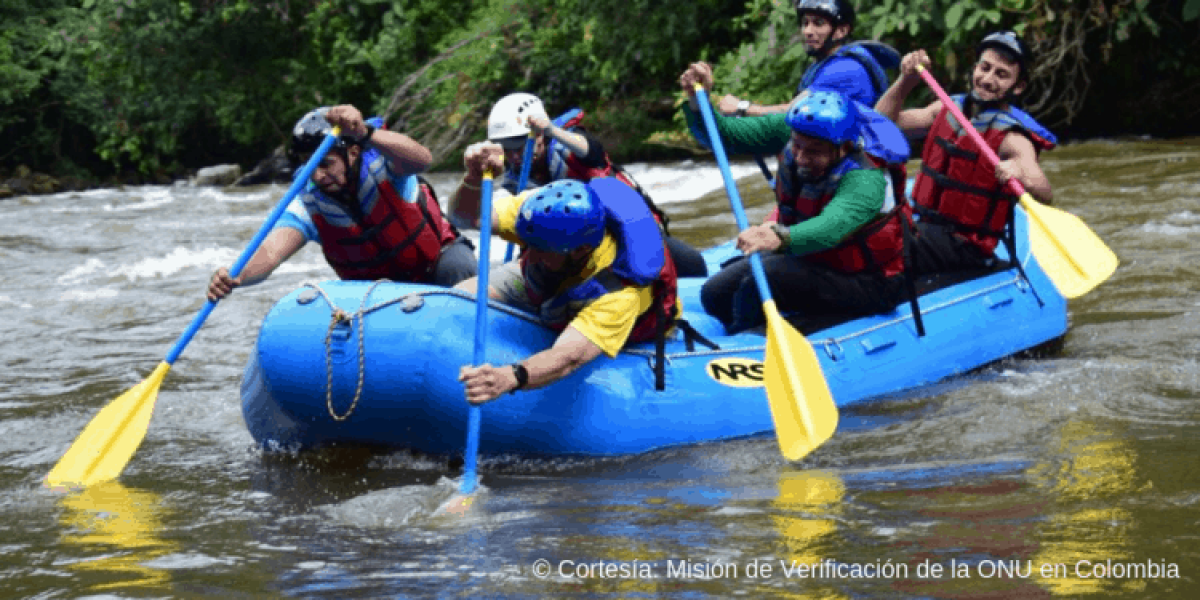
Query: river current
(1067, 475)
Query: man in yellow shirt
(594, 267)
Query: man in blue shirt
(855, 69)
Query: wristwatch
(742, 107)
(522, 376)
(785, 236)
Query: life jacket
(563, 164)
(395, 234)
(875, 57)
(886, 146)
(957, 184)
(642, 259)
(876, 247)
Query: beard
(806, 174)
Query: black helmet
(310, 131)
(1012, 47)
(838, 11)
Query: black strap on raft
(662, 324)
(691, 336)
(660, 346)
(909, 278)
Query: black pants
(688, 260)
(797, 286)
(937, 249)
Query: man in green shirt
(835, 238)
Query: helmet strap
(829, 44)
(972, 105)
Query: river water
(1072, 474)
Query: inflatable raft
(376, 364)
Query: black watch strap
(367, 136)
(521, 374)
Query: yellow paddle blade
(801, 403)
(101, 452)
(1070, 253)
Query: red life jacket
(957, 184)
(393, 238)
(563, 164)
(876, 247)
(642, 259)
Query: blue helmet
(561, 217)
(824, 115)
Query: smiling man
(365, 206)
(963, 201)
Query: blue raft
(387, 377)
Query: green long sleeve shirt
(766, 135)
(858, 200)
(859, 197)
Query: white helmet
(510, 116)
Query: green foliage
(1069, 35)
(157, 86)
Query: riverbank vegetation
(148, 90)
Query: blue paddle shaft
(298, 184)
(474, 417)
(526, 162)
(735, 200)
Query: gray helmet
(1014, 47)
(310, 131)
(841, 12)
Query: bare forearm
(464, 203)
(577, 143)
(551, 365)
(1038, 186)
(405, 153)
(760, 111)
(892, 101)
(570, 351)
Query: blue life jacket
(874, 57)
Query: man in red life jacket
(595, 268)
(964, 204)
(563, 149)
(836, 243)
(366, 207)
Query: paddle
(474, 418)
(526, 161)
(1072, 255)
(801, 404)
(108, 442)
